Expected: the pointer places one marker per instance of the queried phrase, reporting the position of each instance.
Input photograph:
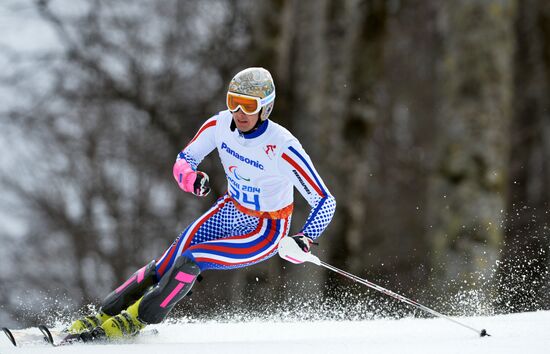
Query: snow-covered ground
(525, 333)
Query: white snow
(526, 333)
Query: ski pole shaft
(402, 298)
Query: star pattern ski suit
(245, 225)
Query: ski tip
(484, 333)
(47, 334)
(10, 336)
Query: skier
(263, 162)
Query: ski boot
(124, 324)
(87, 323)
(118, 300)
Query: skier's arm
(185, 168)
(297, 166)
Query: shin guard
(129, 292)
(173, 286)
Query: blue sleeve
(297, 166)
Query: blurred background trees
(429, 122)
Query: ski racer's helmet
(252, 90)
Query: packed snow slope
(525, 333)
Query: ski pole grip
(290, 251)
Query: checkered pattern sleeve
(201, 145)
(297, 166)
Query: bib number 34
(249, 199)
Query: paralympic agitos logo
(246, 160)
(233, 170)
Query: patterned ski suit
(245, 225)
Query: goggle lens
(249, 105)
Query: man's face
(245, 122)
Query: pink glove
(189, 180)
(184, 175)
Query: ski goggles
(248, 104)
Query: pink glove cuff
(184, 175)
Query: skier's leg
(131, 290)
(212, 225)
(159, 301)
(222, 253)
(242, 250)
(119, 299)
(176, 273)
(156, 303)
(206, 244)
(228, 252)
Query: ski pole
(402, 298)
(289, 250)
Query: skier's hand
(195, 182)
(303, 242)
(296, 249)
(201, 187)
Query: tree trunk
(468, 192)
(523, 279)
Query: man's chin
(243, 128)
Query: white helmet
(255, 83)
